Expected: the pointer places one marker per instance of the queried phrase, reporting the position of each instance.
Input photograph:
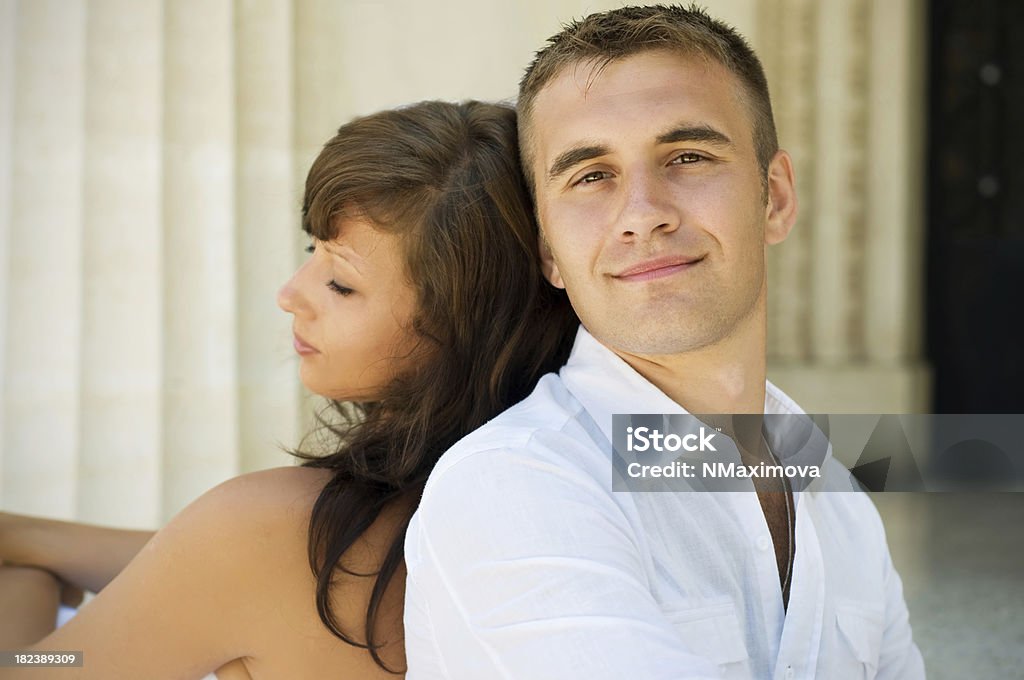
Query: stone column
(119, 436)
(845, 302)
(42, 356)
(200, 355)
(8, 41)
(267, 214)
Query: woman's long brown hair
(447, 178)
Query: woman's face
(353, 309)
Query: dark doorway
(975, 226)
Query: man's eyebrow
(573, 156)
(694, 133)
(682, 133)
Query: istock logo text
(647, 439)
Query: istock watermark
(646, 438)
(818, 452)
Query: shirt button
(789, 673)
(764, 543)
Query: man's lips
(658, 267)
(301, 346)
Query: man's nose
(647, 206)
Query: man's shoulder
(549, 408)
(539, 435)
(507, 480)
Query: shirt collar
(604, 384)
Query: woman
(421, 313)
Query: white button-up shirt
(523, 563)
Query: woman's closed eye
(344, 291)
(338, 288)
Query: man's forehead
(583, 96)
(593, 77)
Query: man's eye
(311, 249)
(687, 158)
(591, 177)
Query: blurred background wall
(151, 161)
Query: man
(648, 141)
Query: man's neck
(727, 377)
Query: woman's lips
(658, 268)
(301, 346)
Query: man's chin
(644, 338)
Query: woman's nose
(286, 297)
(291, 297)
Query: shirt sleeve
(523, 567)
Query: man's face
(650, 201)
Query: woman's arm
(191, 601)
(28, 602)
(83, 555)
(227, 586)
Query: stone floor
(961, 557)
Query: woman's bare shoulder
(277, 504)
(264, 532)
(225, 579)
(280, 485)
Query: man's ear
(547, 263)
(781, 209)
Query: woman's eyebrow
(348, 255)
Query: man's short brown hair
(609, 36)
